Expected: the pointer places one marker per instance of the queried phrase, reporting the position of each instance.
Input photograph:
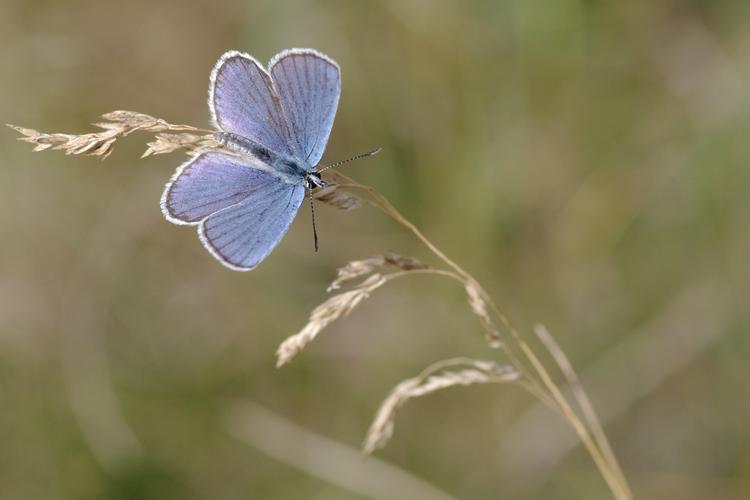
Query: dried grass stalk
(584, 403)
(342, 304)
(118, 124)
(329, 311)
(434, 378)
(338, 198)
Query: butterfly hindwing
(242, 212)
(242, 235)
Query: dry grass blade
(167, 143)
(332, 195)
(434, 378)
(357, 268)
(329, 311)
(583, 401)
(322, 457)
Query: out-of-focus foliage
(589, 162)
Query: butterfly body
(287, 168)
(273, 125)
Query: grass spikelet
(94, 144)
(342, 304)
(338, 198)
(133, 121)
(168, 143)
(357, 268)
(435, 377)
(118, 124)
(329, 311)
(403, 262)
(479, 306)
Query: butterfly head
(314, 181)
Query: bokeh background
(587, 161)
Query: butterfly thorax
(287, 168)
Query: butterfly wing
(241, 212)
(242, 235)
(308, 85)
(242, 100)
(207, 183)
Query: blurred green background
(587, 161)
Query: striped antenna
(357, 157)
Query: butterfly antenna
(357, 157)
(332, 165)
(312, 212)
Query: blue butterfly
(274, 125)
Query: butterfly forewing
(308, 84)
(243, 101)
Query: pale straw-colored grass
(336, 307)
(168, 143)
(531, 372)
(119, 124)
(522, 364)
(441, 375)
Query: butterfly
(273, 125)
